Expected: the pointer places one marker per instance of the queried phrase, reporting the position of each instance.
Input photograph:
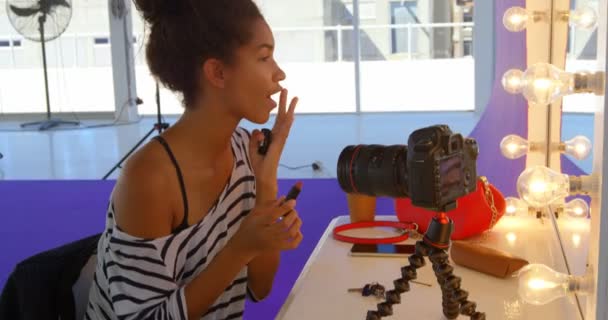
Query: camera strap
(403, 227)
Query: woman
(194, 224)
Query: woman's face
(254, 76)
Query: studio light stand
(158, 126)
(434, 244)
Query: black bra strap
(164, 143)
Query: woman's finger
(294, 229)
(292, 105)
(266, 210)
(281, 209)
(254, 141)
(282, 126)
(288, 219)
(282, 103)
(295, 242)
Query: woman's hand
(265, 166)
(272, 226)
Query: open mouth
(271, 103)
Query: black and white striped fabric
(145, 278)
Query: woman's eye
(265, 58)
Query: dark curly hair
(184, 33)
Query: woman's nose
(279, 75)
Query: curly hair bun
(183, 33)
(155, 10)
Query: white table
(320, 291)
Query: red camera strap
(404, 227)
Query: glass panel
(411, 51)
(146, 84)
(313, 47)
(79, 67)
(581, 56)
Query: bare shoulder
(142, 198)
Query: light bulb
(540, 186)
(576, 240)
(511, 238)
(513, 81)
(544, 83)
(539, 284)
(516, 207)
(577, 208)
(578, 147)
(583, 18)
(515, 19)
(514, 146)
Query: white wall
(80, 77)
(323, 87)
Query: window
(321, 70)
(581, 56)
(79, 65)
(313, 46)
(417, 56)
(103, 40)
(403, 16)
(409, 51)
(6, 43)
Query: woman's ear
(214, 72)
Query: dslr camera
(434, 169)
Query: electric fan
(41, 21)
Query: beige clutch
(486, 260)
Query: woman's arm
(143, 209)
(201, 292)
(262, 269)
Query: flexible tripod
(434, 244)
(158, 126)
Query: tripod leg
(454, 297)
(159, 126)
(402, 284)
(434, 244)
(129, 153)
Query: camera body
(442, 167)
(434, 169)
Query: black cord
(296, 167)
(316, 166)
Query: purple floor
(40, 215)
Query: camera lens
(375, 170)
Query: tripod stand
(158, 126)
(49, 122)
(434, 244)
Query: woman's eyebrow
(266, 45)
